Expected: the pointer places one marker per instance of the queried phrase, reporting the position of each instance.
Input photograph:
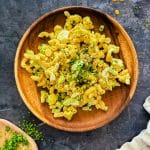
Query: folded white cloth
(146, 105)
(141, 141)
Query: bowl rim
(135, 76)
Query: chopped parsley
(14, 142)
(31, 129)
(7, 128)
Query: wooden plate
(117, 100)
(13, 128)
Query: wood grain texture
(117, 100)
(13, 128)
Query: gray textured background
(17, 15)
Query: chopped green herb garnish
(14, 142)
(31, 129)
(72, 61)
(85, 50)
(136, 9)
(61, 96)
(7, 129)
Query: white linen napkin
(141, 141)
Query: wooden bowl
(117, 100)
(7, 135)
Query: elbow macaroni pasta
(76, 67)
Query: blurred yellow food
(117, 12)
